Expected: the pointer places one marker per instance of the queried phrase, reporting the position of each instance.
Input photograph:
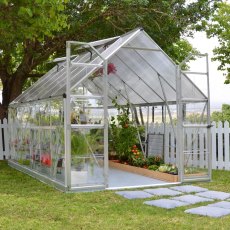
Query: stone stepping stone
(209, 211)
(163, 192)
(189, 188)
(166, 203)
(222, 204)
(214, 195)
(191, 199)
(134, 194)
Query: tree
(223, 116)
(33, 32)
(220, 27)
(24, 27)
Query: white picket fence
(195, 142)
(4, 140)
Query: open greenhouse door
(86, 127)
(193, 133)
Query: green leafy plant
(154, 160)
(153, 167)
(123, 132)
(136, 157)
(168, 168)
(78, 144)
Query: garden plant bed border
(144, 172)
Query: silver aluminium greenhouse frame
(145, 76)
(181, 126)
(68, 111)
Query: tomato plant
(123, 131)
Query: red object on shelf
(46, 159)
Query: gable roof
(144, 73)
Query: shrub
(123, 132)
(154, 160)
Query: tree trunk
(3, 112)
(12, 88)
(5, 97)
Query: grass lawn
(26, 203)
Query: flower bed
(144, 172)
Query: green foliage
(78, 144)
(168, 168)
(222, 116)
(83, 144)
(31, 19)
(136, 157)
(153, 167)
(219, 26)
(179, 50)
(137, 160)
(123, 132)
(34, 32)
(154, 160)
(24, 161)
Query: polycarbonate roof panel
(163, 65)
(136, 79)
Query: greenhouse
(60, 128)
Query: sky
(219, 92)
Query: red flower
(111, 69)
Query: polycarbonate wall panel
(95, 89)
(37, 137)
(196, 152)
(87, 137)
(195, 140)
(190, 90)
(87, 111)
(87, 158)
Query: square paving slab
(222, 204)
(191, 199)
(209, 211)
(214, 195)
(189, 188)
(166, 203)
(134, 194)
(163, 192)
